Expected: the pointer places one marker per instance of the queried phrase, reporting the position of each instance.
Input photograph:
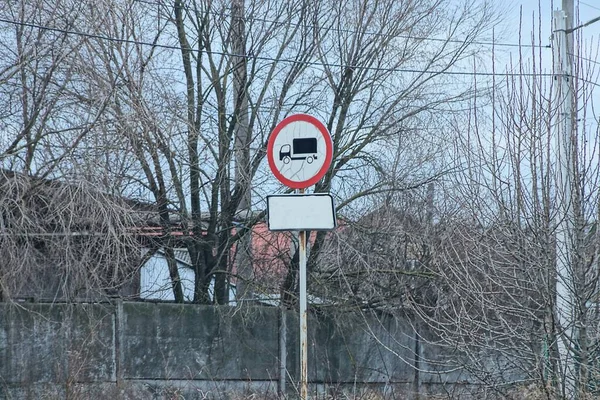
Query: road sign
(308, 212)
(299, 151)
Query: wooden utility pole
(241, 146)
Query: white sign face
(299, 151)
(292, 212)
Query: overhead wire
(350, 31)
(266, 58)
(581, 2)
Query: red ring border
(328, 150)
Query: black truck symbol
(301, 149)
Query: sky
(536, 17)
(541, 12)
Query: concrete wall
(169, 351)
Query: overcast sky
(537, 18)
(542, 12)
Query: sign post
(299, 152)
(302, 309)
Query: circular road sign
(299, 151)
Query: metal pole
(303, 315)
(282, 350)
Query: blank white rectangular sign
(300, 212)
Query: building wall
(155, 281)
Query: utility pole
(564, 303)
(241, 146)
(571, 284)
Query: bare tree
(37, 73)
(245, 69)
(180, 126)
(64, 240)
(383, 74)
(496, 262)
(484, 273)
(381, 260)
(60, 237)
(181, 98)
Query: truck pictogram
(300, 149)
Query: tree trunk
(174, 274)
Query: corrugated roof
(183, 256)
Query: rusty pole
(303, 315)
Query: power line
(581, 2)
(583, 58)
(89, 35)
(265, 58)
(484, 43)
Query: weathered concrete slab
(32, 344)
(56, 343)
(169, 341)
(198, 390)
(162, 351)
